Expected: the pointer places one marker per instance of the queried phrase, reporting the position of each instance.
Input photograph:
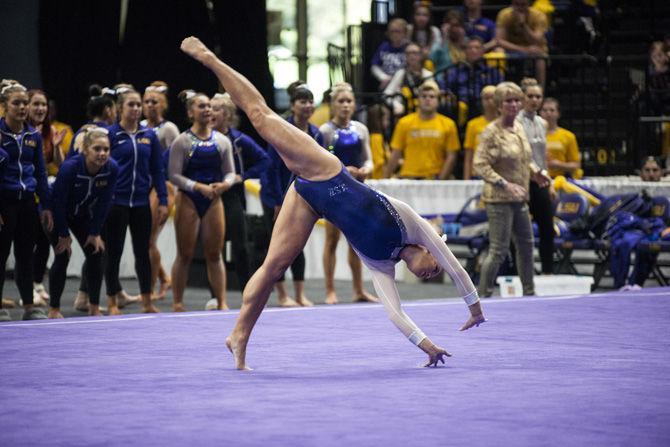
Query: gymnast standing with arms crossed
(323, 187)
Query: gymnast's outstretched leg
(303, 156)
(291, 231)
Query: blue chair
(570, 208)
(472, 213)
(661, 209)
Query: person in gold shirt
(476, 126)
(378, 122)
(426, 140)
(563, 156)
(520, 30)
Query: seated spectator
(390, 55)
(520, 30)
(403, 86)
(426, 140)
(322, 113)
(478, 26)
(651, 170)
(468, 78)
(452, 50)
(476, 126)
(659, 78)
(563, 157)
(422, 32)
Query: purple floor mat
(581, 371)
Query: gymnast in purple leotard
(201, 167)
(324, 188)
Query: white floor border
(422, 303)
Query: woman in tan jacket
(504, 161)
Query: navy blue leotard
(367, 219)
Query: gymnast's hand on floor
(435, 353)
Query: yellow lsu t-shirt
(424, 144)
(562, 146)
(473, 129)
(515, 30)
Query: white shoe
(38, 300)
(39, 288)
(212, 304)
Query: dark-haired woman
(138, 153)
(100, 110)
(154, 107)
(274, 185)
(201, 167)
(38, 117)
(251, 161)
(81, 198)
(24, 176)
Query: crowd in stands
(129, 167)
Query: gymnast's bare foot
(365, 297)
(165, 285)
(150, 309)
(123, 299)
(81, 301)
(239, 351)
(114, 310)
(54, 313)
(223, 306)
(195, 48)
(287, 301)
(178, 307)
(331, 297)
(304, 301)
(94, 310)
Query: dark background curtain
(79, 45)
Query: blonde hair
(505, 89)
(488, 89)
(527, 83)
(229, 106)
(9, 86)
(340, 87)
(429, 85)
(87, 134)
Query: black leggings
(236, 231)
(19, 217)
(58, 272)
(543, 214)
(41, 253)
(139, 221)
(298, 265)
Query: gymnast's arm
(424, 235)
(178, 154)
(387, 292)
(446, 259)
(227, 163)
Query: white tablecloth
(426, 197)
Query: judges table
(426, 197)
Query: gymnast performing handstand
(381, 229)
